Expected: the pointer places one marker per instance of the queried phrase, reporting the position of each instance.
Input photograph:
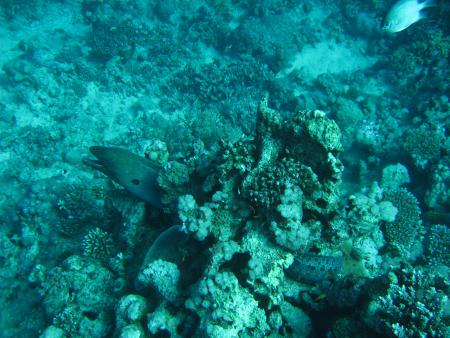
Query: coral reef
(79, 297)
(219, 205)
(438, 245)
(358, 231)
(406, 231)
(290, 160)
(108, 40)
(163, 276)
(237, 308)
(394, 176)
(437, 195)
(130, 310)
(423, 145)
(413, 305)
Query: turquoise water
(228, 168)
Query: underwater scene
(224, 168)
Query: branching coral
(115, 39)
(98, 244)
(413, 306)
(237, 157)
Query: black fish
(135, 173)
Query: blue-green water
(224, 168)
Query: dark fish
(312, 268)
(135, 173)
(169, 246)
(175, 246)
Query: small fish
(136, 174)
(404, 13)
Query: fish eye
(387, 25)
(135, 181)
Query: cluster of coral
(264, 249)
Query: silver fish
(404, 13)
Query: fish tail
(429, 3)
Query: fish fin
(94, 164)
(429, 3)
